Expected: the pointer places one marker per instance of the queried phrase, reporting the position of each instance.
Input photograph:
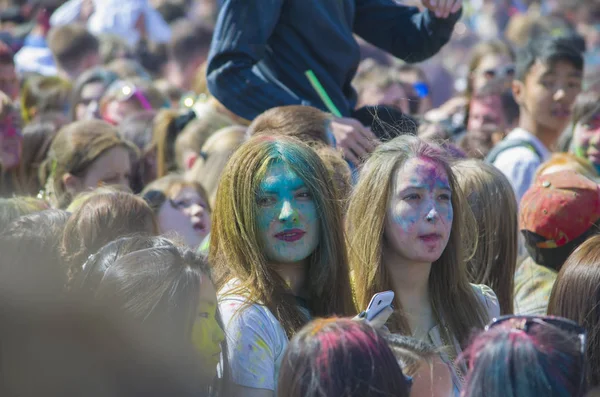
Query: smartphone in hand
(378, 303)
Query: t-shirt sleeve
(251, 345)
(519, 165)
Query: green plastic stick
(314, 81)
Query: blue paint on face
(420, 213)
(287, 216)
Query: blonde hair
(568, 161)
(454, 303)
(214, 155)
(493, 202)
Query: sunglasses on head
(502, 72)
(124, 91)
(524, 323)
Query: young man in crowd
(548, 79)
(74, 49)
(558, 213)
(188, 50)
(262, 49)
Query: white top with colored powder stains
(256, 341)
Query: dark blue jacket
(261, 48)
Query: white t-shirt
(256, 340)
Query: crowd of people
(208, 197)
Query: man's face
(547, 95)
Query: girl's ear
(72, 183)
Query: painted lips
(430, 238)
(291, 235)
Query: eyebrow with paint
(267, 187)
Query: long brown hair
(453, 300)
(576, 296)
(492, 200)
(235, 247)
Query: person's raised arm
(239, 43)
(405, 32)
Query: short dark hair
(189, 39)
(549, 50)
(70, 43)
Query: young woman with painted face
(164, 286)
(586, 128)
(181, 207)
(278, 250)
(407, 230)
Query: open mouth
(291, 235)
(561, 112)
(430, 238)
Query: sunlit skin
(287, 216)
(486, 112)
(207, 334)
(112, 167)
(494, 62)
(187, 214)
(586, 139)
(420, 214)
(546, 98)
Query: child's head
(181, 207)
(164, 286)
(491, 61)
(526, 357)
(491, 198)
(74, 49)
(88, 89)
(576, 296)
(83, 155)
(101, 218)
(124, 97)
(549, 72)
(558, 212)
(340, 357)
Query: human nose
(288, 212)
(93, 110)
(559, 94)
(432, 216)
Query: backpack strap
(509, 144)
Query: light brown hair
(172, 137)
(44, 94)
(70, 44)
(454, 303)
(73, 151)
(570, 161)
(576, 296)
(490, 196)
(102, 218)
(305, 123)
(214, 156)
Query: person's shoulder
(487, 297)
